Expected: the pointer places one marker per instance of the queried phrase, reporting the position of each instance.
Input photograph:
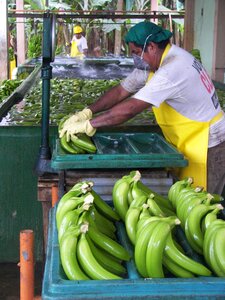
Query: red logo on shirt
(204, 76)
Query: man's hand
(85, 114)
(82, 115)
(77, 127)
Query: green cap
(147, 30)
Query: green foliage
(11, 54)
(34, 46)
(59, 50)
(7, 87)
(196, 54)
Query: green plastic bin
(122, 150)
(57, 287)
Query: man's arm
(109, 99)
(120, 113)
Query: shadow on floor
(10, 280)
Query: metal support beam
(4, 58)
(20, 35)
(43, 163)
(98, 14)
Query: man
(79, 46)
(181, 95)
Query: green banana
(217, 198)
(106, 260)
(120, 197)
(88, 262)
(176, 188)
(210, 231)
(154, 208)
(77, 190)
(82, 186)
(62, 121)
(143, 222)
(84, 142)
(184, 261)
(70, 218)
(131, 220)
(71, 204)
(209, 218)
(102, 220)
(134, 175)
(155, 249)
(129, 195)
(108, 244)
(193, 230)
(76, 148)
(219, 246)
(187, 193)
(184, 208)
(90, 218)
(212, 261)
(175, 269)
(136, 191)
(138, 202)
(141, 247)
(66, 146)
(145, 213)
(68, 255)
(160, 200)
(104, 208)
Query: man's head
(148, 40)
(77, 30)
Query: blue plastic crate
(57, 287)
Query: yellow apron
(188, 136)
(75, 51)
(12, 66)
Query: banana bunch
(150, 243)
(157, 250)
(87, 236)
(177, 187)
(194, 208)
(214, 245)
(129, 189)
(79, 144)
(193, 225)
(150, 219)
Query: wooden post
(117, 48)
(26, 265)
(154, 7)
(4, 58)
(20, 35)
(189, 25)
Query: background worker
(182, 96)
(79, 47)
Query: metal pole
(46, 76)
(26, 264)
(43, 163)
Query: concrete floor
(10, 281)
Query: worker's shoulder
(176, 57)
